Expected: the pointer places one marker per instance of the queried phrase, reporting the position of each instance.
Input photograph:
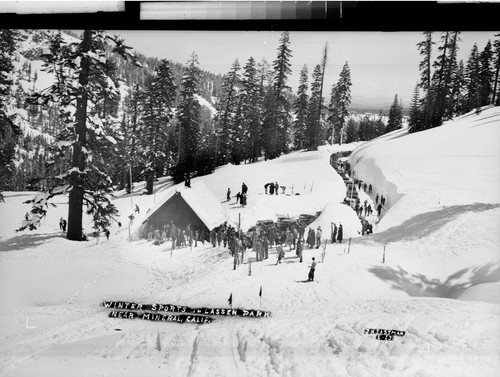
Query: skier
(369, 209)
(137, 210)
(106, 232)
(228, 194)
(340, 233)
(334, 232)
(311, 271)
(238, 197)
(244, 188)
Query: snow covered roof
(200, 199)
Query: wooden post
(249, 266)
(349, 247)
(383, 256)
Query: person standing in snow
(238, 197)
(369, 209)
(318, 237)
(219, 236)
(310, 238)
(340, 233)
(295, 235)
(64, 223)
(300, 248)
(288, 239)
(311, 271)
(276, 188)
(370, 189)
(334, 232)
(281, 254)
(106, 232)
(228, 195)
(244, 188)
(60, 223)
(137, 210)
(379, 209)
(376, 199)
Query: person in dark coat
(334, 232)
(379, 209)
(64, 223)
(276, 187)
(340, 234)
(311, 271)
(311, 238)
(228, 195)
(106, 232)
(244, 188)
(370, 189)
(300, 248)
(271, 188)
(238, 197)
(376, 199)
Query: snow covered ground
(439, 282)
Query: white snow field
(439, 282)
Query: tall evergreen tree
(226, 110)
(81, 82)
(496, 67)
(9, 131)
(188, 116)
(277, 120)
(340, 101)
(395, 116)
(425, 67)
(156, 104)
(251, 110)
(313, 121)
(351, 131)
(485, 75)
(416, 120)
(301, 111)
(472, 80)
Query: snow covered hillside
(439, 281)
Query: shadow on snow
(26, 241)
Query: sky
(382, 64)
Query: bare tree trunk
(78, 159)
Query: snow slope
(438, 282)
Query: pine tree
(340, 101)
(485, 75)
(425, 67)
(351, 132)
(81, 82)
(458, 89)
(188, 117)
(395, 116)
(313, 128)
(9, 131)
(251, 110)
(156, 104)
(226, 112)
(496, 64)
(416, 120)
(276, 120)
(301, 111)
(472, 99)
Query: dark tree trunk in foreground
(78, 159)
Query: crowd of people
(180, 237)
